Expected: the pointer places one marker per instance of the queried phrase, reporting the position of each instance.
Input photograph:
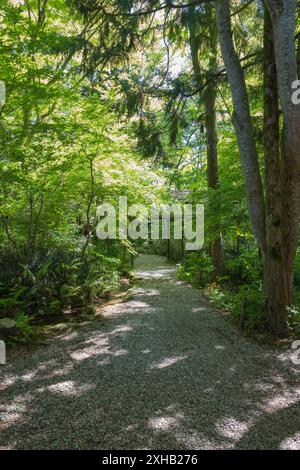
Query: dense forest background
(141, 98)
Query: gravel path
(163, 371)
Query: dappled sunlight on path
(162, 372)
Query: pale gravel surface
(162, 372)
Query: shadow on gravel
(163, 372)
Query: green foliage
(245, 267)
(63, 151)
(246, 302)
(54, 279)
(197, 268)
(238, 290)
(103, 105)
(26, 332)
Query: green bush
(246, 302)
(53, 278)
(239, 291)
(25, 330)
(196, 268)
(245, 268)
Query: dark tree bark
(216, 246)
(283, 14)
(277, 239)
(298, 55)
(217, 252)
(276, 288)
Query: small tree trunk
(168, 248)
(88, 211)
(182, 244)
(131, 260)
(122, 255)
(298, 54)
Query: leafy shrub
(245, 268)
(196, 268)
(103, 275)
(25, 330)
(246, 302)
(238, 291)
(53, 278)
(249, 301)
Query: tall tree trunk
(283, 13)
(217, 253)
(298, 50)
(276, 287)
(298, 55)
(216, 247)
(209, 101)
(242, 123)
